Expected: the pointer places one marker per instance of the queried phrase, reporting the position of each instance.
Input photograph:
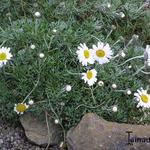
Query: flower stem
(137, 57)
(93, 95)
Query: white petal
(100, 45)
(95, 47)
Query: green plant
(74, 22)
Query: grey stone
(37, 132)
(94, 133)
(1, 141)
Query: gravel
(12, 138)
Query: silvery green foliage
(76, 22)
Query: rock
(36, 131)
(1, 141)
(94, 133)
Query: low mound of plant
(73, 57)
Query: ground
(12, 138)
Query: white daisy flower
(68, 88)
(37, 14)
(54, 30)
(90, 77)
(129, 66)
(85, 55)
(115, 108)
(122, 54)
(101, 83)
(102, 52)
(122, 15)
(114, 86)
(5, 55)
(56, 121)
(108, 5)
(129, 92)
(31, 102)
(20, 108)
(41, 55)
(143, 98)
(32, 46)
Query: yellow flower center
(89, 74)
(144, 98)
(100, 53)
(3, 56)
(20, 107)
(86, 54)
